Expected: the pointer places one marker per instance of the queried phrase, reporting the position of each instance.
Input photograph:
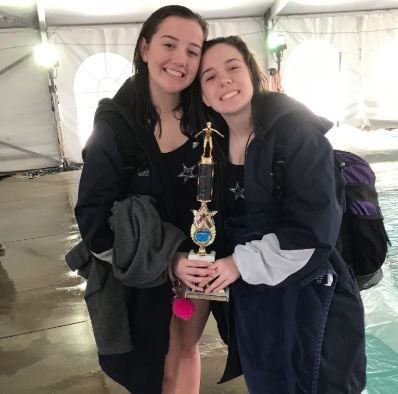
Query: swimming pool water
(381, 302)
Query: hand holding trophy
(203, 230)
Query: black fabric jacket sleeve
(102, 183)
(307, 232)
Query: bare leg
(190, 332)
(172, 362)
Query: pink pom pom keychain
(182, 307)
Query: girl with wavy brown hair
(162, 103)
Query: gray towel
(144, 244)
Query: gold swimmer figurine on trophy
(203, 230)
(207, 140)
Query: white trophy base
(223, 295)
(211, 257)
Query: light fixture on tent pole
(276, 45)
(46, 55)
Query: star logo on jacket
(238, 191)
(195, 144)
(187, 173)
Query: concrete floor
(46, 341)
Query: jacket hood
(122, 99)
(279, 104)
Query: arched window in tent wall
(313, 77)
(99, 76)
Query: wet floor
(46, 341)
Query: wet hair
(260, 90)
(259, 80)
(145, 111)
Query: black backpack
(363, 238)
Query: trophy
(203, 230)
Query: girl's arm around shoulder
(307, 232)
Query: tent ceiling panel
(24, 11)
(77, 12)
(324, 6)
(92, 12)
(8, 25)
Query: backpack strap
(127, 143)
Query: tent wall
(74, 46)
(367, 73)
(360, 39)
(380, 66)
(77, 44)
(26, 118)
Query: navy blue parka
(296, 321)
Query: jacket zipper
(352, 163)
(246, 151)
(157, 180)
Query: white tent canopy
(341, 61)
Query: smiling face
(225, 80)
(173, 54)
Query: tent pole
(276, 9)
(23, 58)
(271, 18)
(41, 13)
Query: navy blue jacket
(104, 181)
(299, 329)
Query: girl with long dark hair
(296, 321)
(160, 107)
